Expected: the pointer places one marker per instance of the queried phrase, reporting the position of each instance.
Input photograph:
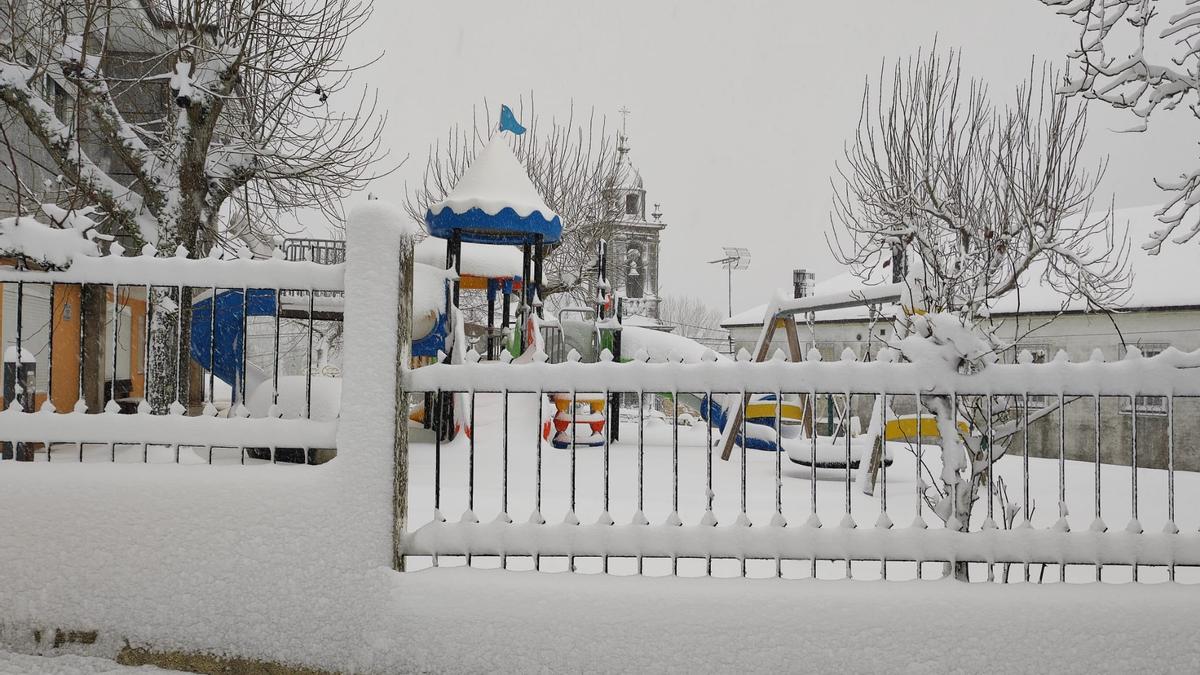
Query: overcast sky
(739, 109)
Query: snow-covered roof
(845, 282)
(1163, 280)
(479, 260)
(660, 346)
(494, 194)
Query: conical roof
(494, 202)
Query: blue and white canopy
(494, 203)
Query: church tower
(633, 251)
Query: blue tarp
(506, 227)
(226, 349)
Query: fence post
(400, 435)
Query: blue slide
(220, 350)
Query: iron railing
(86, 330)
(656, 504)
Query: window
(1146, 405)
(631, 205)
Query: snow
(14, 75)
(378, 217)
(640, 321)
(326, 394)
(268, 561)
(480, 260)
(68, 664)
(291, 563)
(167, 430)
(493, 182)
(254, 561)
(560, 503)
(26, 356)
(43, 243)
(1166, 373)
(477, 621)
(145, 270)
(659, 346)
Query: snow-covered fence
(660, 499)
(85, 321)
(88, 546)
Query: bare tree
(165, 116)
(975, 200)
(693, 319)
(1134, 56)
(573, 163)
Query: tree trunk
(168, 356)
(93, 308)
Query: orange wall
(64, 380)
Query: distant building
(1162, 311)
(633, 253)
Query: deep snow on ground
(516, 621)
(476, 621)
(193, 557)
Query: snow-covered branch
(62, 145)
(1142, 56)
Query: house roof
(1159, 281)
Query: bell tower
(635, 240)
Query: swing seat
(831, 452)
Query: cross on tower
(624, 118)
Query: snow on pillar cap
(376, 212)
(494, 202)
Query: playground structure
(489, 235)
(754, 418)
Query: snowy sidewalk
(477, 620)
(464, 620)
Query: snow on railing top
(1170, 373)
(149, 270)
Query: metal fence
(662, 501)
(77, 370)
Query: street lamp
(734, 259)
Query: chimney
(803, 282)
